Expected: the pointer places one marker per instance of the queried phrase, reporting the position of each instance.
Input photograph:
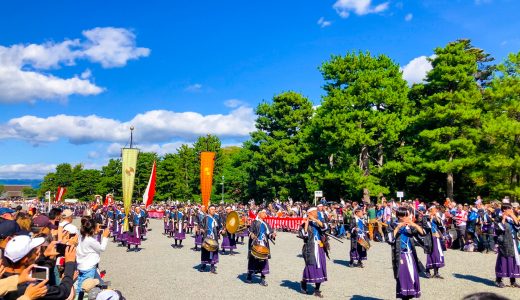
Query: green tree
(448, 123)
(277, 147)
(85, 184)
(110, 181)
(357, 129)
(501, 127)
(26, 192)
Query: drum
(260, 252)
(210, 244)
(363, 243)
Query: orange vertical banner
(207, 162)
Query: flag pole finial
(131, 135)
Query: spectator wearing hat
(21, 253)
(66, 217)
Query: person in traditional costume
(488, 230)
(228, 240)
(508, 257)
(190, 220)
(210, 230)
(200, 214)
(434, 230)
(405, 262)
(134, 237)
(171, 221)
(180, 227)
(260, 234)
(357, 232)
(166, 221)
(315, 271)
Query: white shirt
(88, 252)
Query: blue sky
(74, 76)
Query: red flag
(59, 194)
(150, 189)
(109, 200)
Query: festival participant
(166, 220)
(134, 237)
(488, 230)
(404, 257)
(179, 221)
(312, 231)
(210, 229)
(200, 214)
(190, 221)
(228, 239)
(508, 258)
(358, 229)
(260, 233)
(433, 227)
(322, 215)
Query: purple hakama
(506, 267)
(408, 284)
(180, 235)
(135, 237)
(255, 266)
(359, 253)
(229, 242)
(198, 239)
(207, 257)
(436, 258)
(315, 274)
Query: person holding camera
(21, 253)
(89, 249)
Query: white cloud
(154, 126)
(24, 75)
(25, 171)
(359, 7)
(415, 71)
(408, 17)
(324, 23)
(232, 103)
(26, 86)
(112, 47)
(93, 154)
(193, 87)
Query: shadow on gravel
(359, 297)
(293, 285)
(242, 277)
(476, 279)
(341, 262)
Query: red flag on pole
(150, 189)
(59, 194)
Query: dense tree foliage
(457, 135)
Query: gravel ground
(159, 271)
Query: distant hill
(35, 183)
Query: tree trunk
(366, 195)
(449, 185)
(363, 165)
(380, 155)
(363, 160)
